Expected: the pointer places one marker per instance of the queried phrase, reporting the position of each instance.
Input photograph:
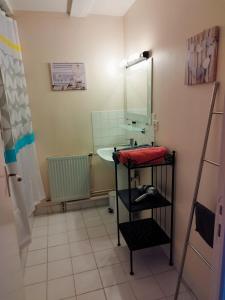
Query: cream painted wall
(62, 120)
(164, 27)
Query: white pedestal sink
(106, 155)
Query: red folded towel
(143, 155)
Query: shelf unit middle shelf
(153, 201)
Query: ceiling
(39, 5)
(78, 8)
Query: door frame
(218, 275)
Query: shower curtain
(16, 130)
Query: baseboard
(50, 207)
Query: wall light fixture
(143, 56)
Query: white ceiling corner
(40, 5)
(6, 6)
(111, 7)
(79, 8)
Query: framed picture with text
(68, 76)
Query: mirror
(138, 91)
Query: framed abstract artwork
(202, 56)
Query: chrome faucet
(131, 142)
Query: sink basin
(106, 153)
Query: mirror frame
(138, 117)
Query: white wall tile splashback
(146, 138)
(107, 130)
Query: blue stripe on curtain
(10, 154)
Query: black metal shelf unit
(156, 230)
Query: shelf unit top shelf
(153, 201)
(167, 161)
(143, 234)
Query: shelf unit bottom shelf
(143, 234)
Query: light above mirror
(145, 55)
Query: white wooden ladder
(196, 191)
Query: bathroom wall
(62, 120)
(164, 27)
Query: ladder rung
(212, 162)
(218, 113)
(201, 256)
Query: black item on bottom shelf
(143, 234)
(205, 223)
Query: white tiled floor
(74, 256)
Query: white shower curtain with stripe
(16, 129)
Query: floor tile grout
(99, 273)
(65, 219)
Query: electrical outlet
(153, 116)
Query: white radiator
(69, 177)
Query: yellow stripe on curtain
(10, 44)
